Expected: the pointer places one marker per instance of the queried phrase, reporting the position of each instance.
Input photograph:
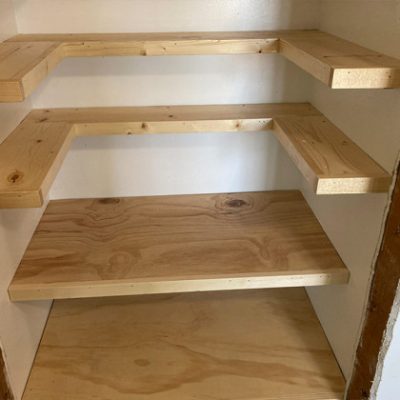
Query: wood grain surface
(339, 63)
(330, 161)
(5, 390)
(32, 154)
(162, 244)
(248, 345)
(25, 60)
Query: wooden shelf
(239, 345)
(25, 60)
(327, 158)
(31, 155)
(165, 244)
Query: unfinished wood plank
(25, 60)
(170, 43)
(338, 63)
(240, 345)
(327, 158)
(29, 160)
(5, 390)
(81, 116)
(163, 244)
(23, 65)
(31, 156)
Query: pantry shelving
(31, 156)
(26, 59)
(198, 296)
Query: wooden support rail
(25, 60)
(250, 345)
(31, 155)
(169, 244)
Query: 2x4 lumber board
(25, 60)
(227, 345)
(166, 244)
(23, 65)
(327, 158)
(340, 64)
(29, 160)
(31, 155)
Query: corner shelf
(32, 154)
(249, 345)
(25, 60)
(166, 244)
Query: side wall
(21, 325)
(372, 119)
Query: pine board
(26, 59)
(32, 154)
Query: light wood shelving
(165, 244)
(98, 258)
(248, 345)
(31, 155)
(25, 60)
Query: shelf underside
(25, 60)
(166, 244)
(32, 154)
(249, 345)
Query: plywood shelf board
(25, 60)
(163, 244)
(31, 155)
(250, 345)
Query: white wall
(20, 324)
(372, 119)
(163, 15)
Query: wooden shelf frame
(250, 345)
(32, 154)
(168, 244)
(26, 59)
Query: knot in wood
(15, 177)
(236, 203)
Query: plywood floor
(247, 345)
